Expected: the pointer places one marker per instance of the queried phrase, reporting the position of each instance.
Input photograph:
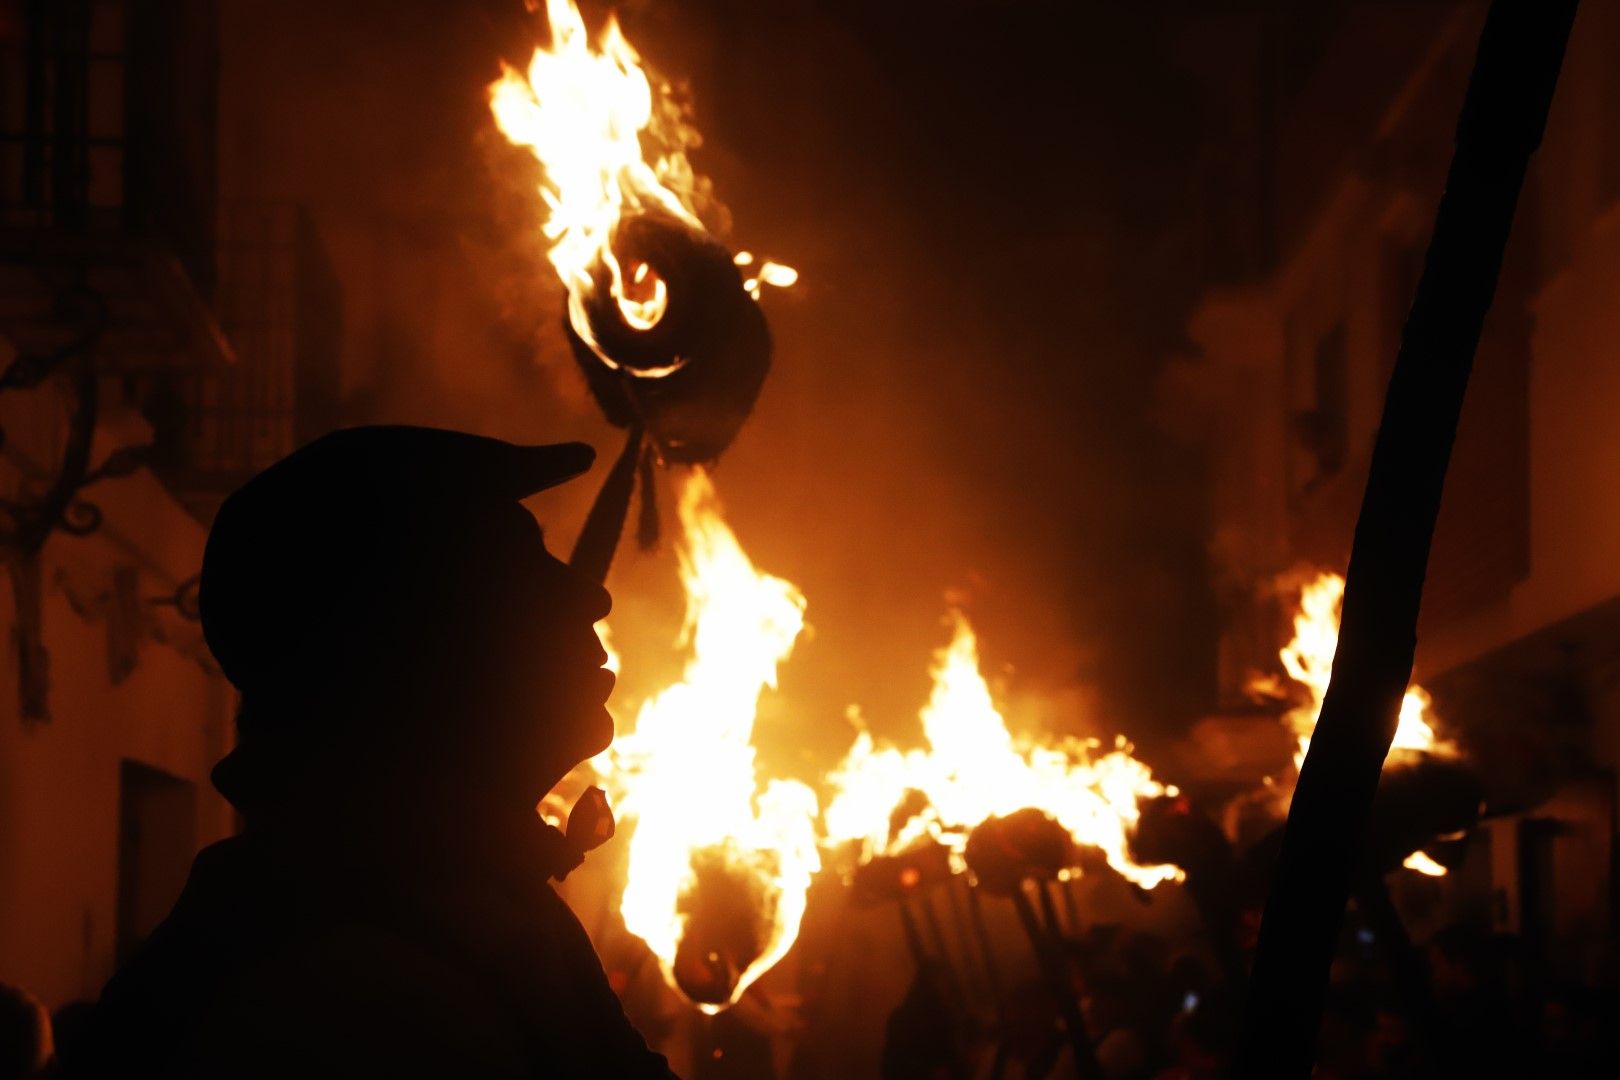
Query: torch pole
(914, 940)
(1071, 906)
(599, 537)
(1049, 909)
(1503, 116)
(972, 968)
(1052, 962)
(982, 934)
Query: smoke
(980, 201)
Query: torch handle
(1504, 114)
(1053, 964)
(599, 538)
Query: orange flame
(1423, 864)
(974, 769)
(1308, 660)
(686, 775)
(611, 142)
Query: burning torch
(662, 318)
(664, 324)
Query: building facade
(1521, 619)
(154, 347)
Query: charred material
(1418, 805)
(728, 924)
(691, 377)
(889, 878)
(1004, 852)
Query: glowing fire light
(686, 776)
(612, 142)
(1308, 659)
(1423, 864)
(973, 769)
(614, 663)
(769, 273)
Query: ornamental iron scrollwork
(26, 523)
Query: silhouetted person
(416, 671)
(25, 1035)
(70, 1027)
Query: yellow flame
(611, 142)
(686, 774)
(605, 635)
(1421, 862)
(973, 769)
(1308, 659)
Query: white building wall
(60, 778)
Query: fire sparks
(769, 273)
(1308, 659)
(973, 769)
(612, 142)
(718, 865)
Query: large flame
(611, 142)
(1308, 659)
(974, 769)
(685, 774)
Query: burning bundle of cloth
(719, 864)
(980, 811)
(665, 326)
(1428, 795)
(662, 317)
(973, 774)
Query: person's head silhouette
(396, 627)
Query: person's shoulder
(355, 999)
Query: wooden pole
(1052, 962)
(1503, 116)
(599, 537)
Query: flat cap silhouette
(352, 514)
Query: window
(61, 111)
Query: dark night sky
(992, 207)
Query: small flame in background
(685, 773)
(974, 769)
(611, 142)
(1308, 660)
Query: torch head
(690, 377)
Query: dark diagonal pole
(1504, 113)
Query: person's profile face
(545, 663)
